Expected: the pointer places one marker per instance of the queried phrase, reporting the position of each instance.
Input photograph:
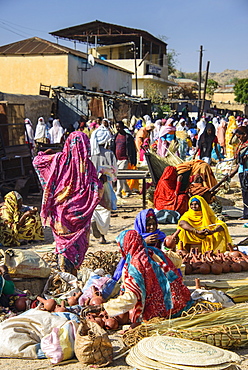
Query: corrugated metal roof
(37, 46)
(106, 33)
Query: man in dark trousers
(124, 148)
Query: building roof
(38, 46)
(102, 33)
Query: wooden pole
(200, 80)
(205, 89)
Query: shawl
(167, 129)
(99, 137)
(56, 132)
(157, 284)
(231, 127)
(70, 184)
(40, 131)
(29, 134)
(200, 220)
(140, 224)
(198, 167)
(165, 196)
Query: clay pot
(99, 321)
(111, 323)
(204, 269)
(188, 269)
(49, 304)
(216, 269)
(170, 241)
(20, 304)
(61, 307)
(96, 299)
(243, 264)
(233, 253)
(236, 267)
(73, 300)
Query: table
(136, 175)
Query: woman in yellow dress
(230, 145)
(18, 222)
(201, 228)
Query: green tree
(211, 87)
(172, 61)
(241, 91)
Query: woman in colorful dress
(18, 223)
(152, 285)
(71, 192)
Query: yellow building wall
(224, 97)
(23, 74)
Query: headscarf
(205, 218)
(40, 131)
(99, 137)
(167, 128)
(245, 122)
(70, 195)
(179, 127)
(29, 134)
(157, 285)
(206, 141)
(56, 132)
(140, 224)
(147, 119)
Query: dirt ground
(123, 219)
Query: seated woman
(7, 287)
(202, 229)
(152, 285)
(147, 226)
(18, 222)
(168, 194)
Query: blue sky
(221, 26)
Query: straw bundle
(224, 323)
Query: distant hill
(223, 78)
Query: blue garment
(140, 225)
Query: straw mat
(140, 359)
(184, 351)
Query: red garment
(154, 279)
(167, 194)
(121, 150)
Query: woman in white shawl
(29, 132)
(40, 131)
(56, 133)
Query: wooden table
(136, 175)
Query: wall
(35, 106)
(100, 77)
(23, 74)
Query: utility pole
(135, 67)
(200, 80)
(205, 89)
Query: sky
(220, 26)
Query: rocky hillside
(223, 78)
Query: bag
(24, 263)
(132, 183)
(92, 344)
(109, 199)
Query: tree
(211, 87)
(241, 91)
(172, 61)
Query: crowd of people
(81, 189)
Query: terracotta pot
(96, 299)
(170, 241)
(197, 283)
(73, 300)
(20, 304)
(216, 269)
(61, 307)
(49, 304)
(111, 323)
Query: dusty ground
(123, 219)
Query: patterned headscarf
(140, 224)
